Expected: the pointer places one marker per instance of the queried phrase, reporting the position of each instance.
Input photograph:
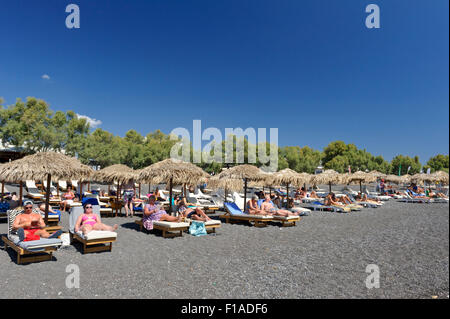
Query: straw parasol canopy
(230, 184)
(361, 177)
(44, 166)
(394, 179)
(421, 178)
(329, 177)
(244, 172)
(378, 174)
(173, 172)
(440, 177)
(287, 177)
(118, 173)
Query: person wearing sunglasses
(89, 221)
(31, 226)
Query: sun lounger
(234, 213)
(105, 209)
(62, 185)
(410, 199)
(29, 251)
(322, 207)
(33, 191)
(169, 229)
(94, 241)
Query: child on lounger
(89, 221)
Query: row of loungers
(234, 213)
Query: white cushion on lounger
(213, 222)
(97, 234)
(170, 224)
(253, 216)
(285, 217)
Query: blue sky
(310, 68)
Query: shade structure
(361, 177)
(44, 166)
(440, 177)
(289, 177)
(329, 177)
(394, 179)
(117, 173)
(420, 178)
(378, 174)
(246, 173)
(173, 172)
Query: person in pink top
(89, 221)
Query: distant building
(8, 153)
(319, 169)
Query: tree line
(31, 127)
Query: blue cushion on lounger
(234, 209)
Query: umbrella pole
(139, 197)
(330, 187)
(47, 197)
(89, 186)
(287, 196)
(21, 193)
(225, 199)
(109, 189)
(170, 195)
(360, 186)
(3, 188)
(245, 193)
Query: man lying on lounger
(30, 226)
(268, 207)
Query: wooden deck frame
(287, 222)
(100, 244)
(257, 222)
(166, 232)
(26, 256)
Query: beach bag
(197, 228)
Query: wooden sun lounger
(167, 232)
(26, 256)
(255, 220)
(89, 245)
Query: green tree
(405, 162)
(439, 162)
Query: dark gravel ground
(324, 256)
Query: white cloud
(46, 77)
(93, 123)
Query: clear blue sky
(310, 68)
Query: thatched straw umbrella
(421, 178)
(41, 166)
(118, 173)
(287, 177)
(173, 172)
(440, 177)
(228, 184)
(244, 172)
(393, 179)
(328, 177)
(361, 177)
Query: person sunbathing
(331, 200)
(153, 212)
(436, 195)
(88, 221)
(363, 198)
(313, 194)
(252, 207)
(31, 226)
(68, 196)
(194, 213)
(269, 208)
(344, 200)
(50, 210)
